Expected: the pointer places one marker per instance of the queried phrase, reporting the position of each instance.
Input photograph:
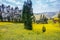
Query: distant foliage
(10, 14)
(59, 17)
(34, 19)
(43, 19)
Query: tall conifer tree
(27, 14)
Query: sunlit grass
(16, 31)
(49, 27)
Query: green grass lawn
(16, 31)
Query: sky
(38, 6)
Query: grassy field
(16, 31)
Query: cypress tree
(1, 19)
(8, 17)
(27, 14)
(1, 16)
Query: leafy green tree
(27, 14)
